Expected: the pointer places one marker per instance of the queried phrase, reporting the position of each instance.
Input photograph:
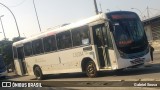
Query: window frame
(41, 45)
(30, 48)
(51, 37)
(15, 52)
(81, 30)
(59, 42)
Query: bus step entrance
(107, 68)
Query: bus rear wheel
(91, 70)
(38, 73)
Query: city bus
(107, 41)
(3, 70)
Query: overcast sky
(56, 12)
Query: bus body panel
(127, 62)
(18, 67)
(65, 61)
(45, 61)
(113, 59)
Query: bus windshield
(128, 33)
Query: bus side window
(98, 39)
(103, 36)
(110, 45)
(49, 43)
(85, 38)
(108, 27)
(64, 40)
(20, 53)
(37, 46)
(28, 49)
(76, 37)
(15, 53)
(80, 36)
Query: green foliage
(15, 39)
(6, 51)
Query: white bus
(108, 41)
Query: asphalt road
(148, 73)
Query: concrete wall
(148, 32)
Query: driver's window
(102, 36)
(20, 53)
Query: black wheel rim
(37, 73)
(91, 69)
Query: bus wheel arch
(38, 72)
(89, 67)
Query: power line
(154, 9)
(18, 4)
(150, 12)
(144, 11)
(13, 17)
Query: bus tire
(91, 70)
(38, 73)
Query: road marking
(148, 79)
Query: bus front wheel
(91, 70)
(38, 73)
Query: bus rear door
(21, 59)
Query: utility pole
(37, 15)
(148, 12)
(95, 5)
(3, 28)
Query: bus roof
(60, 29)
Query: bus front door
(21, 59)
(101, 40)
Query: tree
(15, 39)
(6, 51)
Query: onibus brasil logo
(20, 84)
